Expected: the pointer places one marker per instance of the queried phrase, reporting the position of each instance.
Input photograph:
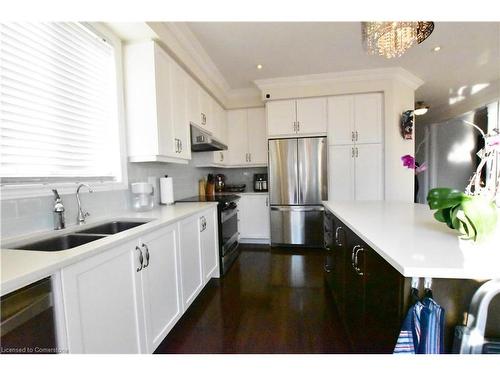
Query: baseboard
(263, 241)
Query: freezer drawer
(297, 226)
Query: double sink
(71, 240)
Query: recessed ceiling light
(259, 66)
(436, 49)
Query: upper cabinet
(247, 142)
(355, 119)
(300, 117)
(156, 105)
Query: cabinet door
(341, 120)
(368, 118)
(311, 116)
(163, 79)
(180, 112)
(100, 303)
(257, 140)
(237, 136)
(209, 245)
(207, 122)
(341, 173)
(340, 249)
(281, 117)
(368, 172)
(191, 269)
(384, 297)
(253, 211)
(355, 311)
(161, 284)
(193, 101)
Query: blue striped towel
(422, 330)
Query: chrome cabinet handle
(356, 135)
(141, 259)
(221, 156)
(356, 151)
(327, 268)
(147, 254)
(352, 152)
(337, 235)
(250, 157)
(298, 126)
(267, 201)
(352, 136)
(180, 144)
(354, 259)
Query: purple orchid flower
(408, 161)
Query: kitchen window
(61, 108)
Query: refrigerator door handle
(298, 208)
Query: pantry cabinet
(355, 172)
(155, 94)
(355, 119)
(356, 147)
(254, 219)
(127, 299)
(298, 117)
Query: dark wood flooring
(270, 301)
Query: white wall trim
(397, 73)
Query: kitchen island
(376, 248)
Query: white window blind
(58, 114)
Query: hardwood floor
(270, 301)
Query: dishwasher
(27, 320)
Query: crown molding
(396, 73)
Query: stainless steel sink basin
(64, 242)
(113, 227)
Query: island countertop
(408, 237)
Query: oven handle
(297, 208)
(230, 242)
(225, 218)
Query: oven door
(229, 224)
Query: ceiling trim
(397, 73)
(189, 41)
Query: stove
(227, 218)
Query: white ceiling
(470, 53)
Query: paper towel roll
(166, 190)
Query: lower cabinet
(102, 310)
(127, 299)
(254, 221)
(368, 291)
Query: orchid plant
(474, 212)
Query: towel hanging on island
(422, 330)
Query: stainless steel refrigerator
(297, 186)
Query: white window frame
(40, 189)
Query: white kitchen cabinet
(341, 173)
(369, 172)
(301, 117)
(281, 117)
(257, 140)
(101, 302)
(190, 259)
(181, 130)
(153, 126)
(247, 142)
(209, 244)
(253, 215)
(161, 288)
(193, 102)
(355, 119)
(355, 172)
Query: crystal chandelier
(392, 39)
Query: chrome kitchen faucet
(81, 215)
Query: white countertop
(408, 237)
(22, 267)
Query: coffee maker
(260, 182)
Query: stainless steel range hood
(201, 140)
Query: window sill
(45, 189)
